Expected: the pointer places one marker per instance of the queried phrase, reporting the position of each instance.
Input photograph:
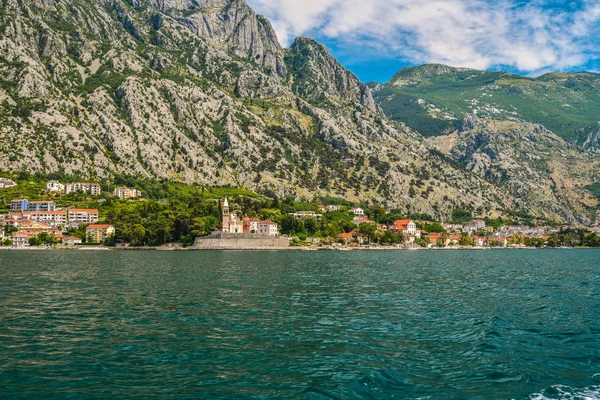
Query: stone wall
(240, 241)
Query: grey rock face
(201, 92)
(318, 76)
(527, 160)
(231, 24)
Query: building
(478, 241)
(71, 241)
(55, 186)
(268, 228)
(97, 233)
(233, 223)
(17, 205)
(307, 214)
(498, 242)
(347, 237)
(408, 228)
(6, 183)
(126, 193)
(357, 211)
(20, 239)
(52, 218)
(475, 225)
(226, 216)
(83, 216)
(362, 220)
(236, 224)
(84, 187)
(333, 207)
(37, 206)
(251, 225)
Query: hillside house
(408, 228)
(83, 216)
(37, 206)
(17, 205)
(307, 214)
(6, 183)
(55, 186)
(126, 193)
(83, 187)
(98, 233)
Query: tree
(290, 225)
(434, 227)
(35, 241)
(7, 242)
(370, 230)
(310, 226)
(465, 240)
(137, 235)
(389, 238)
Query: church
(233, 222)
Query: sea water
(498, 324)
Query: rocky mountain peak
(231, 24)
(319, 76)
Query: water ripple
(289, 325)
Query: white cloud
(469, 33)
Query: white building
(268, 228)
(407, 227)
(41, 206)
(126, 193)
(54, 186)
(358, 211)
(253, 225)
(84, 187)
(83, 216)
(6, 183)
(333, 207)
(52, 218)
(307, 214)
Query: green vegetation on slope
(562, 103)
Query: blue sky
(376, 38)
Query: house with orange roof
(96, 233)
(408, 228)
(478, 241)
(499, 242)
(53, 218)
(347, 237)
(20, 239)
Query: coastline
(288, 248)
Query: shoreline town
(42, 225)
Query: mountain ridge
(143, 88)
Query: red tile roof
(102, 226)
(402, 224)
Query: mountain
(527, 161)
(434, 99)
(201, 91)
(535, 139)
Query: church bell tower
(226, 215)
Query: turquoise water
(495, 324)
